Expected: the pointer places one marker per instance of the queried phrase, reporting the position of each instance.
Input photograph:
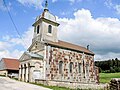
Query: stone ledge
(75, 85)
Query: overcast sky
(83, 22)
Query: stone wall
(97, 74)
(78, 85)
(28, 68)
(115, 84)
(75, 86)
(87, 69)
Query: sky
(82, 22)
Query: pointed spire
(46, 6)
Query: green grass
(53, 87)
(106, 77)
(59, 88)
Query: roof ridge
(73, 44)
(10, 58)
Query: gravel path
(10, 84)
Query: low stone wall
(75, 85)
(115, 84)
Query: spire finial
(46, 5)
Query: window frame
(38, 29)
(49, 29)
(71, 67)
(60, 67)
(79, 67)
(87, 69)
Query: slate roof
(11, 64)
(70, 46)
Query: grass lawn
(53, 87)
(106, 77)
(60, 88)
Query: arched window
(38, 29)
(60, 67)
(71, 67)
(87, 69)
(83, 68)
(79, 67)
(49, 29)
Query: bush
(106, 71)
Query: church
(50, 59)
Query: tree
(111, 65)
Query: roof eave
(44, 19)
(71, 49)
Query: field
(106, 77)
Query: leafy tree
(108, 66)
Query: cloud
(3, 7)
(117, 8)
(110, 5)
(54, 1)
(35, 3)
(10, 47)
(73, 1)
(14, 54)
(65, 13)
(6, 52)
(110, 55)
(26, 38)
(4, 45)
(6, 37)
(102, 34)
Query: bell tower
(45, 26)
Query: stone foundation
(73, 85)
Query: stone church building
(50, 59)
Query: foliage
(108, 66)
(106, 77)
